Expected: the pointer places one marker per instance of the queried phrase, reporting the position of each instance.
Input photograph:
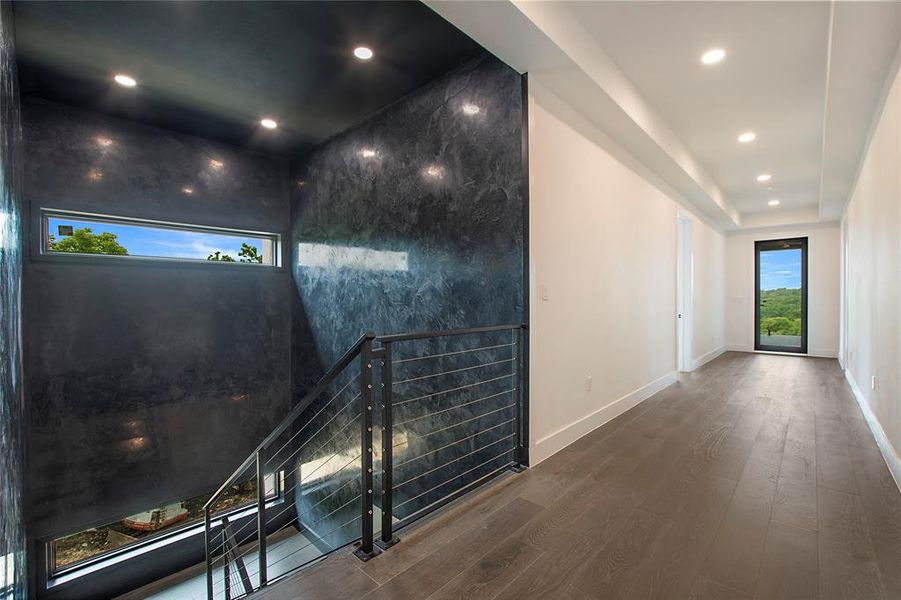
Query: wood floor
(754, 477)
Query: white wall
(823, 248)
(872, 289)
(708, 293)
(603, 242)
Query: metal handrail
(403, 337)
(308, 399)
(364, 351)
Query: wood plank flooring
(754, 477)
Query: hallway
(754, 477)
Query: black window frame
(781, 244)
(53, 572)
(44, 214)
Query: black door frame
(784, 243)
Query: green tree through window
(247, 254)
(85, 241)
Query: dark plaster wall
(413, 221)
(422, 179)
(147, 382)
(12, 525)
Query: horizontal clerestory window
(71, 551)
(85, 234)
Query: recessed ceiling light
(773, 202)
(748, 136)
(764, 177)
(125, 80)
(711, 57)
(362, 52)
(268, 123)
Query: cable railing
(346, 462)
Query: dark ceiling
(213, 69)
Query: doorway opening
(780, 290)
(683, 295)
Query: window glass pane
(780, 298)
(82, 235)
(93, 542)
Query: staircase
(398, 427)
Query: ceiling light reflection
(187, 190)
(773, 202)
(216, 164)
(764, 177)
(330, 257)
(95, 174)
(471, 109)
(748, 136)
(435, 171)
(367, 153)
(103, 142)
(125, 80)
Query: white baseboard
(823, 352)
(563, 437)
(814, 352)
(706, 358)
(889, 453)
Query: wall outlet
(873, 382)
(588, 384)
(543, 291)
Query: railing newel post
(518, 399)
(226, 579)
(366, 549)
(261, 517)
(387, 538)
(207, 539)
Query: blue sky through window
(159, 242)
(780, 269)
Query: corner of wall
(702, 360)
(563, 437)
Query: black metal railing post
(226, 576)
(366, 549)
(207, 540)
(387, 538)
(518, 398)
(261, 516)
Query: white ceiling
(772, 82)
(794, 71)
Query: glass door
(780, 315)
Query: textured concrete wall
(413, 221)
(147, 382)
